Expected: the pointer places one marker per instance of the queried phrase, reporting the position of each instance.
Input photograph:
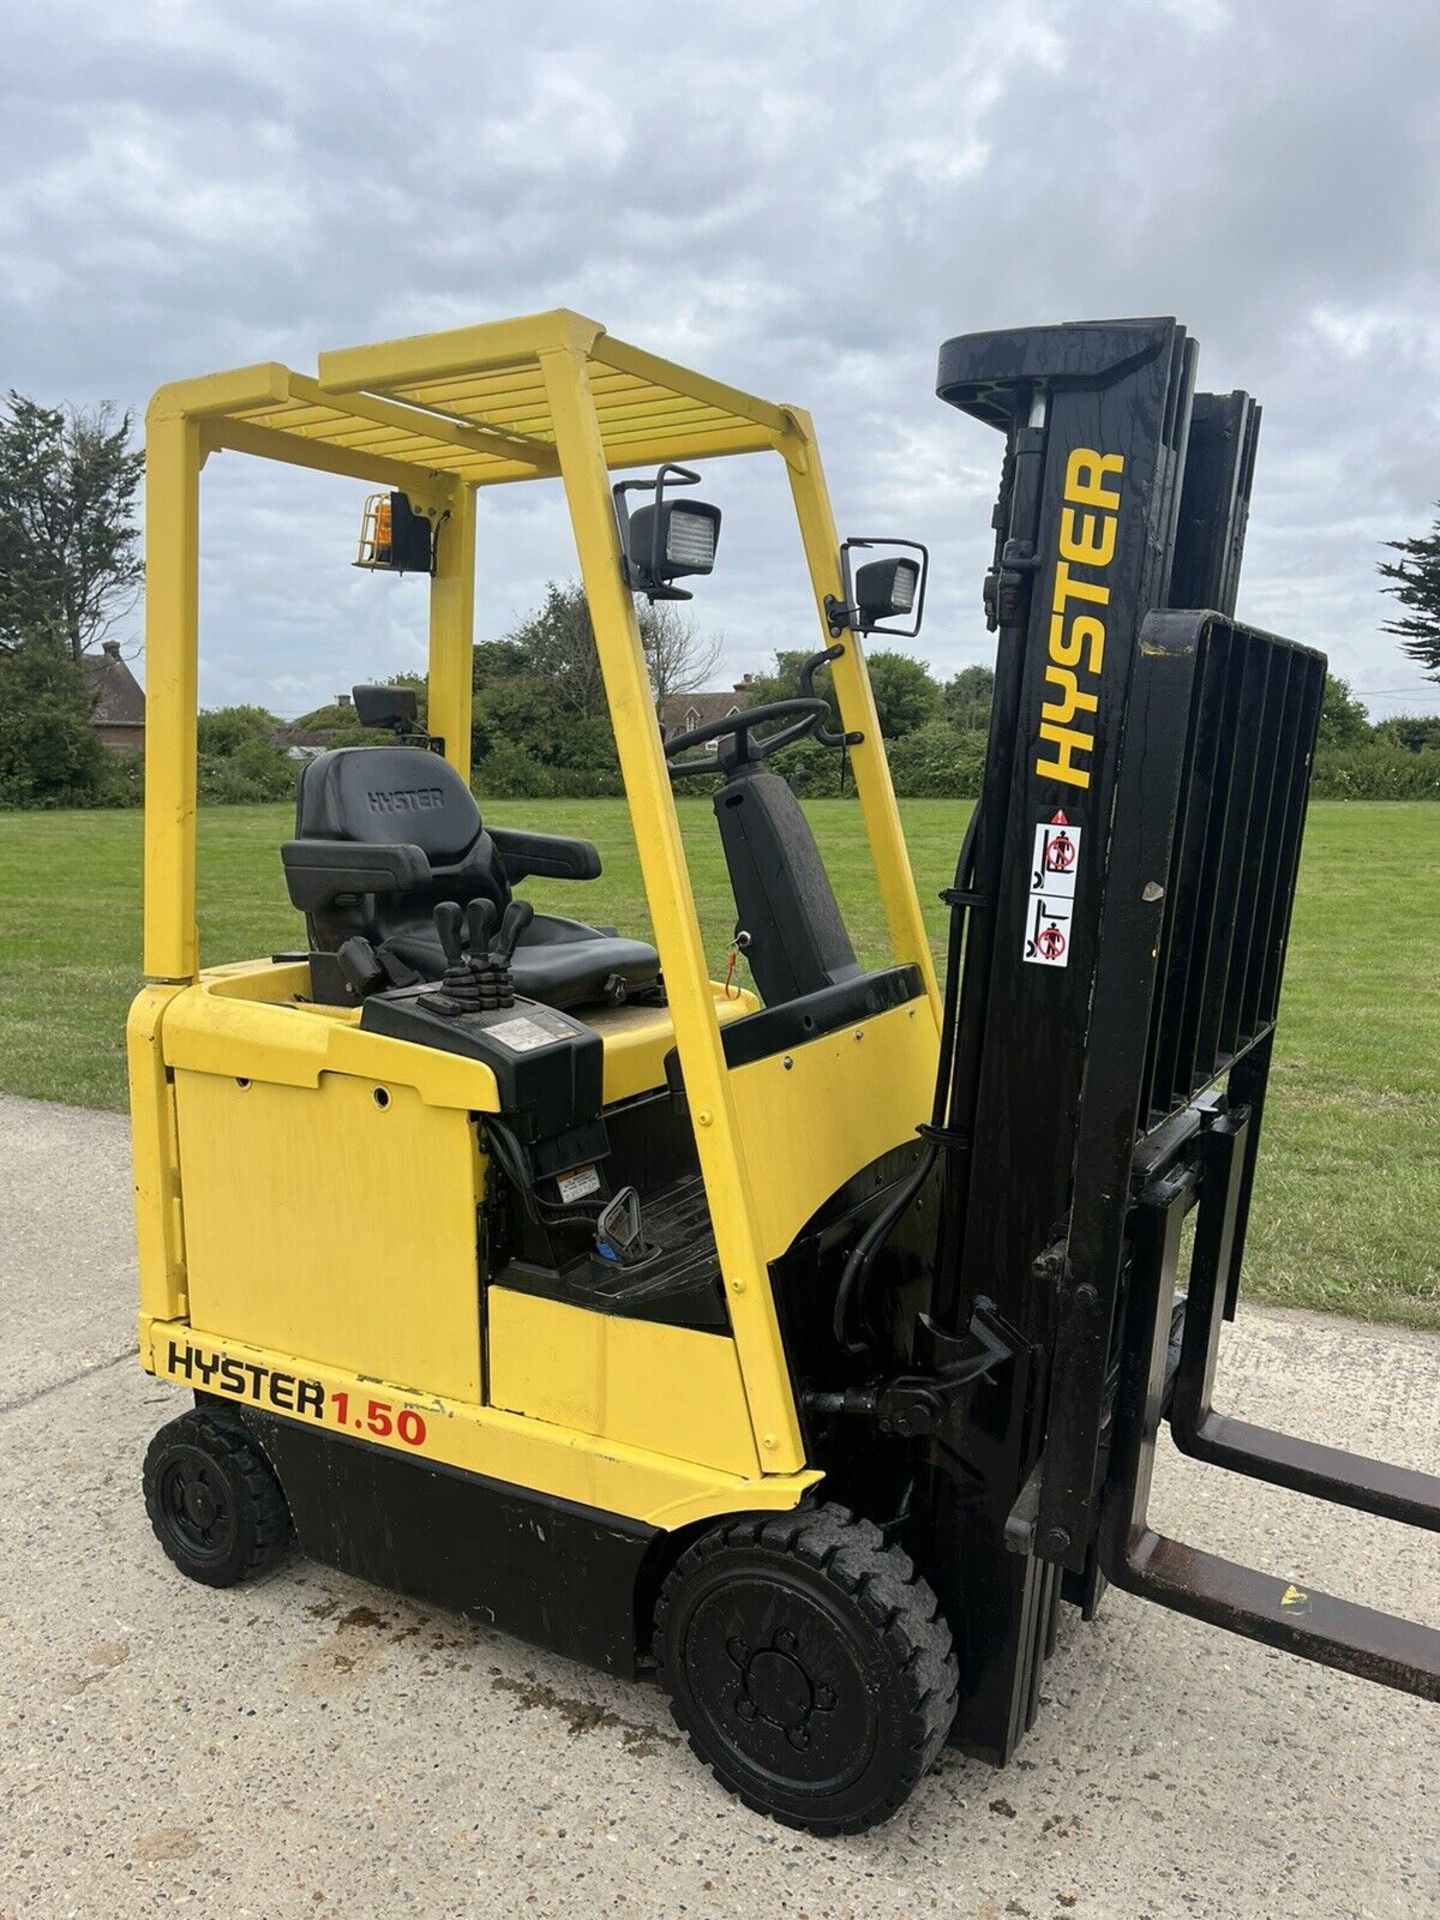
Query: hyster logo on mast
(1088, 525)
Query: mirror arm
(843, 613)
(826, 736)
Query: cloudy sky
(799, 197)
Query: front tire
(213, 1501)
(809, 1666)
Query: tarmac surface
(311, 1746)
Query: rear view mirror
(881, 591)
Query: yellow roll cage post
(439, 416)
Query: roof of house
(318, 738)
(119, 697)
(681, 711)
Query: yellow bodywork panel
(212, 1029)
(810, 1119)
(514, 1448)
(637, 1039)
(159, 1223)
(334, 1222)
(666, 1389)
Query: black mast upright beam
(1215, 501)
(1096, 419)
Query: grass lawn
(1348, 1210)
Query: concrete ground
(310, 1746)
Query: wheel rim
(779, 1682)
(197, 1507)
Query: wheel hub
(780, 1681)
(198, 1503)
(193, 1500)
(777, 1687)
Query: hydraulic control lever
(478, 977)
(459, 989)
(479, 925)
(497, 982)
(518, 916)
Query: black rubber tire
(809, 1666)
(216, 1506)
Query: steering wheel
(746, 752)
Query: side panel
(812, 1118)
(335, 1223)
(552, 1460)
(559, 1574)
(667, 1389)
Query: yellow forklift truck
(808, 1342)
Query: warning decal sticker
(520, 1035)
(1053, 867)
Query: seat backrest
(379, 795)
(784, 901)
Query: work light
(394, 537)
(885, 589)
(666, 539)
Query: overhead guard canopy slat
(472, 404)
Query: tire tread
(228, 1442)
(898, 1603)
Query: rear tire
(809, 1666)
(213, 1501)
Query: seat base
(561, 963)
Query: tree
(558, 641)
(50, 755)
(222, 731)
(678, 657)
(1412, 732)
(1344, 721)
(782, 682)
(1417, 586)
(540, 702)
(69, 547)
(967, 699)
(905, 695)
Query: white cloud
(802, 200)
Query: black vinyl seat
(383, 834)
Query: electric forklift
(807, 1342)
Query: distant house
(303, 743)
(118, 715)
(684, 711)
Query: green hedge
(1377, 772)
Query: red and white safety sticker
(1054, 864)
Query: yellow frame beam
(853, 694)
(672, 908)
(450, 672)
